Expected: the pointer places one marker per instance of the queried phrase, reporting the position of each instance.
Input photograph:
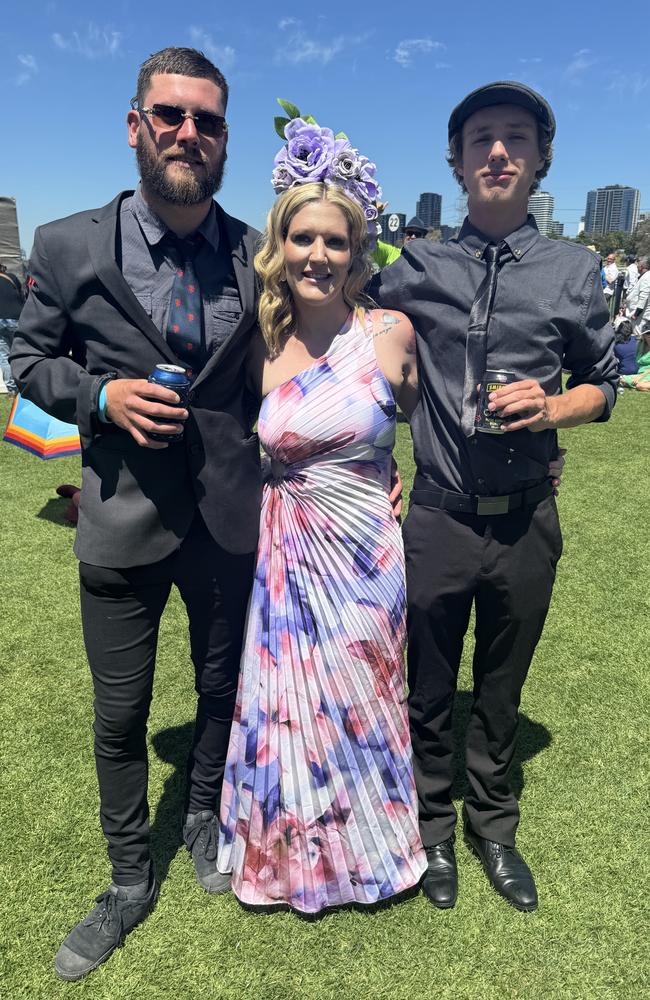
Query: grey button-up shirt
(149, 270)
(549, 313)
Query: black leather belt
(427, 495)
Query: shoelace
(209, 828)
(107, 912)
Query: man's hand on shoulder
(133, 404)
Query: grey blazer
(81, 321)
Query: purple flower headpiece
(315, 154)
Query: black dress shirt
(549, 313)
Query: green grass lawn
(581, 772)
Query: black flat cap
(502, 92)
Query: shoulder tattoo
(386, 323)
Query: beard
(187, 189)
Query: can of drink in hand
(487, 420)
(171, 377)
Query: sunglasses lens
(167, 115)
(209, 124)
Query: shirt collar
(474, 242)
(154, 228)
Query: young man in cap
(483, 527)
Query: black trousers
(505, 564)
(120, 612)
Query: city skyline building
(614, 208)
(429, 209)
(541, 205)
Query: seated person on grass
(640, 380)
(625, 345)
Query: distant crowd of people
(627, 292)
(11, 302)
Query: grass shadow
(533, 738)
(173, 746)
(54, 511)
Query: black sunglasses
(168, 116)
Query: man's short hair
(544, 141)
(185, 62)
(644, 262)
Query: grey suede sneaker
(201, 836)
(95, 938)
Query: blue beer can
(171, 377)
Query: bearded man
(160, 275)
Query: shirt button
(478, 253)
(517, 253)
(191, 395)
(481, 482)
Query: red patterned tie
(184, 323)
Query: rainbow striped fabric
(36, 431)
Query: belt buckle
(492, 505)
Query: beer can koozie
(171, 377)
(486, 420)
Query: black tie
(184, 323)
(476, 346)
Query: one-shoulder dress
(318, 806)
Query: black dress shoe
(440, 882)
(506, 869)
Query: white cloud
(626, 84)
(533, 59)
(582, 61)
(443, 65)
(92, 42)
(28, 68)
(409, 47)
(301, 48)
(288, 22)
(222, 56)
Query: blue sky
(387, 74)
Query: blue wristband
(101, 406)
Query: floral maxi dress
(318, 806)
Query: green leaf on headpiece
(280, 125)
(290, 109)
(309, 119)
(340, 135)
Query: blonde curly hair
(276, 310)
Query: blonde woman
(318, 805)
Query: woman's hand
(555, 467)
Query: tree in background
(642, 237)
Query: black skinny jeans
(121, 612)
